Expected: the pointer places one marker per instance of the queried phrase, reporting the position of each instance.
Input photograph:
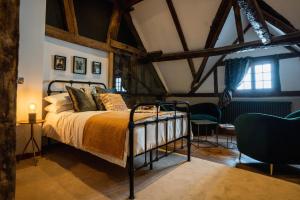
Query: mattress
(67, 127)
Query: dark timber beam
(9, 46)
(220, 62)
(197, 86)
(181, 35)
(214, 34)
(70, 16)
(238, 22)
(255, 16)
(283, 40)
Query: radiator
(236, 108)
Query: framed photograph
(79, 65)
(96, 67)
(60, 62)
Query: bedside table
(31, 139)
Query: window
(118, 85)
(260, 77)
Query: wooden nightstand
(31, 139)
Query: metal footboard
(133, 125)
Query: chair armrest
(293, 115)
(268, 138)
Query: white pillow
(57, 109)
(59, 99)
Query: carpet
(69, 174)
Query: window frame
(275, 79)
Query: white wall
(58, 47)
(32, 31)
(36, 55)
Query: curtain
(235, 70)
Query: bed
(144, 135)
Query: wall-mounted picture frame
(79, 65)
(96, 67)
(60, 62)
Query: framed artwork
(60, 62)
(79, 65)
(96, 67)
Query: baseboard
(27, 156)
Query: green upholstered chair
(270, 139)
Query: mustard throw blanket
(106, 133)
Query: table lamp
(32, 113)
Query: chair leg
(271, 169)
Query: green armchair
(268, 138)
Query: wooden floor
(223, 155)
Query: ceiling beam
(255, 16)
(181, 35)
(197, 86)
(284, 40)
(214, 33)
(238, 22)
(114, 24)
(70, 16)
(125, 47)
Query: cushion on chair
(204, 117)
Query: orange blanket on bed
(105, 133)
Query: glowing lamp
(32, 113)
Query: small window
(258, 78)
(118, 85)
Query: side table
(32, 139)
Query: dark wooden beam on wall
(284, 40)
(238, 22)
(125, 47)
(70, 16)
(180, 34)
(76, 39)
(114, 24)
(220, 62)
(214, 33)
(134, 32)
(255, 16)
(216, 86)
(9, 40)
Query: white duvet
(67, 127)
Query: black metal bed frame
(132, 125)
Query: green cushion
(81, 102)
(204, 117)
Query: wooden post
(9, 40)
(110, 69)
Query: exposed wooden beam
(214, 33)
(130, 3)
(238, 22)
(114, 24)
(220, 62)
(128, 48)
(255, 16)
(216, 86)
(133, 30)
(284, 40)
(181, 35)
(9, 40)
(70, 16)
(69, 37)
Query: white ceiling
(156, 28)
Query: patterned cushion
(96, 96)
(113, 102)
(81, 101)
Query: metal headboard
(71, 82)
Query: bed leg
(189, 136)
(151, 158)
(131, 158)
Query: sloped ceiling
(156, 28)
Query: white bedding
(67, 127)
